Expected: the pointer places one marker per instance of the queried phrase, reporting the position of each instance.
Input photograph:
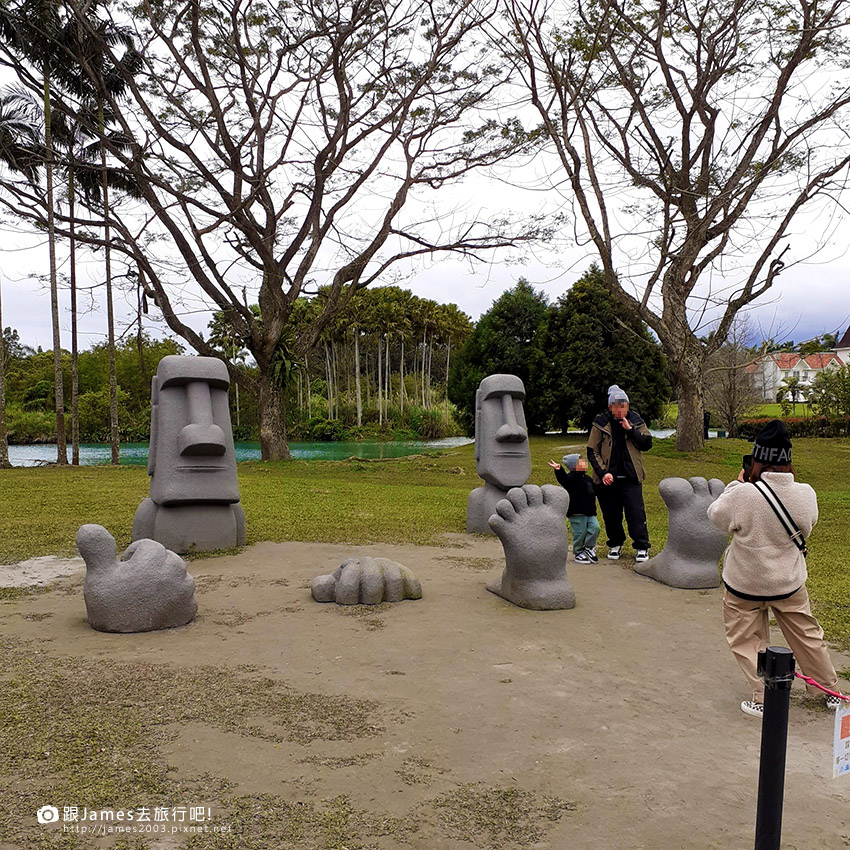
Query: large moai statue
(194, 502)
(502, 456)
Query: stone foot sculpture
(530, 524)
(366, 581)
(147, 589)
(694, 546)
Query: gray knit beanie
(570, 462)
(616, 394)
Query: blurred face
(619, 409)
(191, 456)
(502, 456)
(581, 466)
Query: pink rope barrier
(809, 681)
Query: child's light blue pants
(585, 531)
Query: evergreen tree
(590, 342)
(505, 341)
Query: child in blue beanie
(571, 473)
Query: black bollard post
(776, 667)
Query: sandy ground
(626, 706)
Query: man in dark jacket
(618, 437)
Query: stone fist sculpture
(147, 589)
(694, 546)
(530, 523)
(366, 581)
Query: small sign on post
(841, 747)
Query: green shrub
(799, 426)
(30, 426)
(325, 430)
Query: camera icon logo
(47, 814)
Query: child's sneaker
(591, 553)
(583, 558)
(614, 553)
(641, 555)
(834, 703)
(754, 709)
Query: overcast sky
(808, 298)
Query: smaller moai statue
(694, 546)
(530, 522)
(148, 589)
(194, 501)
(502, 456)
(366, 581)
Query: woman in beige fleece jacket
(763, 569)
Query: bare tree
(689, 134)
(285, 146)
(730, 391)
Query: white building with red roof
(770, 371)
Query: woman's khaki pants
(747, 631)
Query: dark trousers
(616, 499)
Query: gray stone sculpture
(530, 524)
(194, 502)
(366, 581)
(502, 457)
(694, 546)
(147, 589)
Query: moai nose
(201, 436)
(511, 431)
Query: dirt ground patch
(450, 722)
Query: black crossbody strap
(784, 517)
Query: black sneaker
(583, 558)
(591, 553)
(641, 555)
(614, 553)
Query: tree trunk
(380, 400)
(388, 382)
(689, 425)
(272, 404)
(330, 385)
(58, 390)
(430, 358)
(424, 357)
(309, 391)
(448, 359)
(401, 379)
(75, 377)
(357, 377)
(110, 311)
(4, 445)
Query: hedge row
(799, 426)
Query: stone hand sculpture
(502, 456)
(147, 589)
(194, 502)
(367, 581)
(530, 524)
(694, 546)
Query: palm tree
(33, 29)
(99, 81)
(19, 151)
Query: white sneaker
(614, 553)
(754, 709)
(641, 555)
(834, 703)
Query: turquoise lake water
(136, 454)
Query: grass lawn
(407, 500)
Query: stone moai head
(191, 457)
(502, 456)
